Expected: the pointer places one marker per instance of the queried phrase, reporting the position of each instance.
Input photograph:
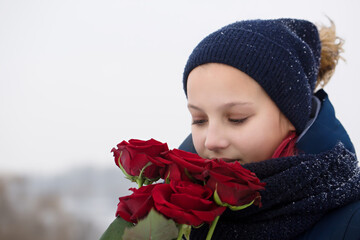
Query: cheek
(259, 140)
(269, 136)
(250, 142)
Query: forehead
(221, 82)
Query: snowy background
(78, 77)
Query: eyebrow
(226, 105)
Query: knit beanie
(282, 55)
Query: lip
(230, 160)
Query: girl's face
(233, 117)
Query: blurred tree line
(42, 217)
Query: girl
(250, 89)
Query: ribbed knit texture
(299, 191)
(282, 55)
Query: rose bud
(233, 185)
(186, 202)
(139, 157)
(137, 205)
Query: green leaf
(234, 208)
(217, 198)
(131, 178)
(116, 229)
(154, 226)
(237, 208)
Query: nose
(216, 138)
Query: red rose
(234, 185)
(137, 154)
(186, 202)
(185, 165)
(137, 205)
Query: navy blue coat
(322, 133)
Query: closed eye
(200, 121)
(237, 120)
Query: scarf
(300, 190)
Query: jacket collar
(323, 131)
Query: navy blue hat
(282, 55)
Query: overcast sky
(78, 77)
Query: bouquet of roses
(194, 191)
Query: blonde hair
(331, 48)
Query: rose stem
(212, 228)
(140, 182)
(181, 231)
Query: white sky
(77, 77)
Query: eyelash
(235, 121)
(198, 122)
(238, 121)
